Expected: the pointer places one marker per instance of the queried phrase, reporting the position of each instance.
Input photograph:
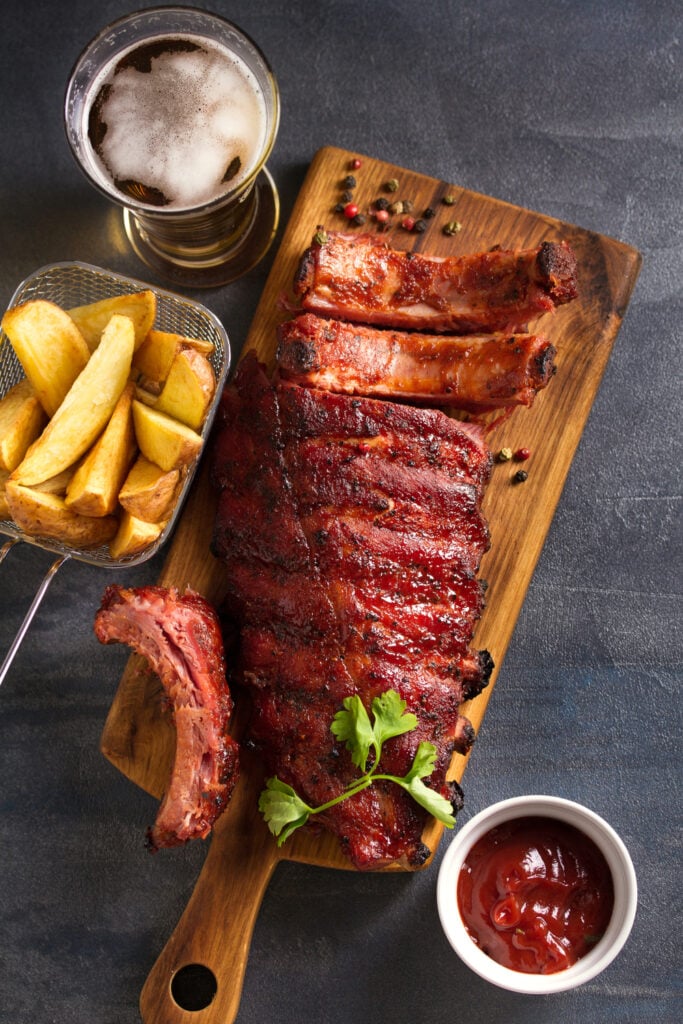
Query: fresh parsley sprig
(283, 809)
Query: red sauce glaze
(535, 894)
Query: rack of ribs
(363, 279)
(475, 372)
(351, 534)
(181, 639)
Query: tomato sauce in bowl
(535, 894)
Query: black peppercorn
(420, 226)
(520, 476)
(347, 196)
(358, 219)
(381, 203)
(428, 213)
(349, 181)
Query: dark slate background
(569, 108)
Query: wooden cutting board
(138, 737)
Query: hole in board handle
(193, 987)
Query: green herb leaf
(353, 727)
(283, 810)
(391, 717)
(422, 766)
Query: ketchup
(535, 894)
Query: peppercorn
(408, 223)
(448, 200)
(347, 196)
(320, 237)
(392, 185)
(520, 476)
(350, 210)
(452, 227)
(408, 205)
(420, 226)
(349, 181)
(355, 164)
(396, 207)
(339, 208)
(522, 454)
(381, 203)
(505, 454)
(359, 219)
(428, 213)
(382, 216)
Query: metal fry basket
(77, 284)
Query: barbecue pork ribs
(361, 278)
(351, 533)
(180, 636)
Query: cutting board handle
(210, 946)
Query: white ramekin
(623, 876)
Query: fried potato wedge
(22, 418)
(4, 507)
(133, 536)
(189, 388)
(149, 493)
(40, 514)
(163, 440)
(49, 346)
(85, 410)
(57, 484)
(140, 307)
(154, 357)
(94, 487)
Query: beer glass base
(230, 264)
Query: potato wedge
(56, 484)
(154, 357)
(94, 487)
(40, 514)
(49, 346)
(86, 408)
(149, 493)
(189, 389)
(4, 507)
(164, 440)
(133, 536)
(91, 320)
(22, 418)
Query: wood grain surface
(138, 736)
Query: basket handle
(35, 604)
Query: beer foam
(179, 126)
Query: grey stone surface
(569, 108)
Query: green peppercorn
(396, 207)
(392, 185)
(505, 454)
(452, 227)
(408, 205)
(448, 200)
(320, 237)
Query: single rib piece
(473, 372)
(351, 534)
(181, 639)
(361, 278)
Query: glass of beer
(172, 112)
